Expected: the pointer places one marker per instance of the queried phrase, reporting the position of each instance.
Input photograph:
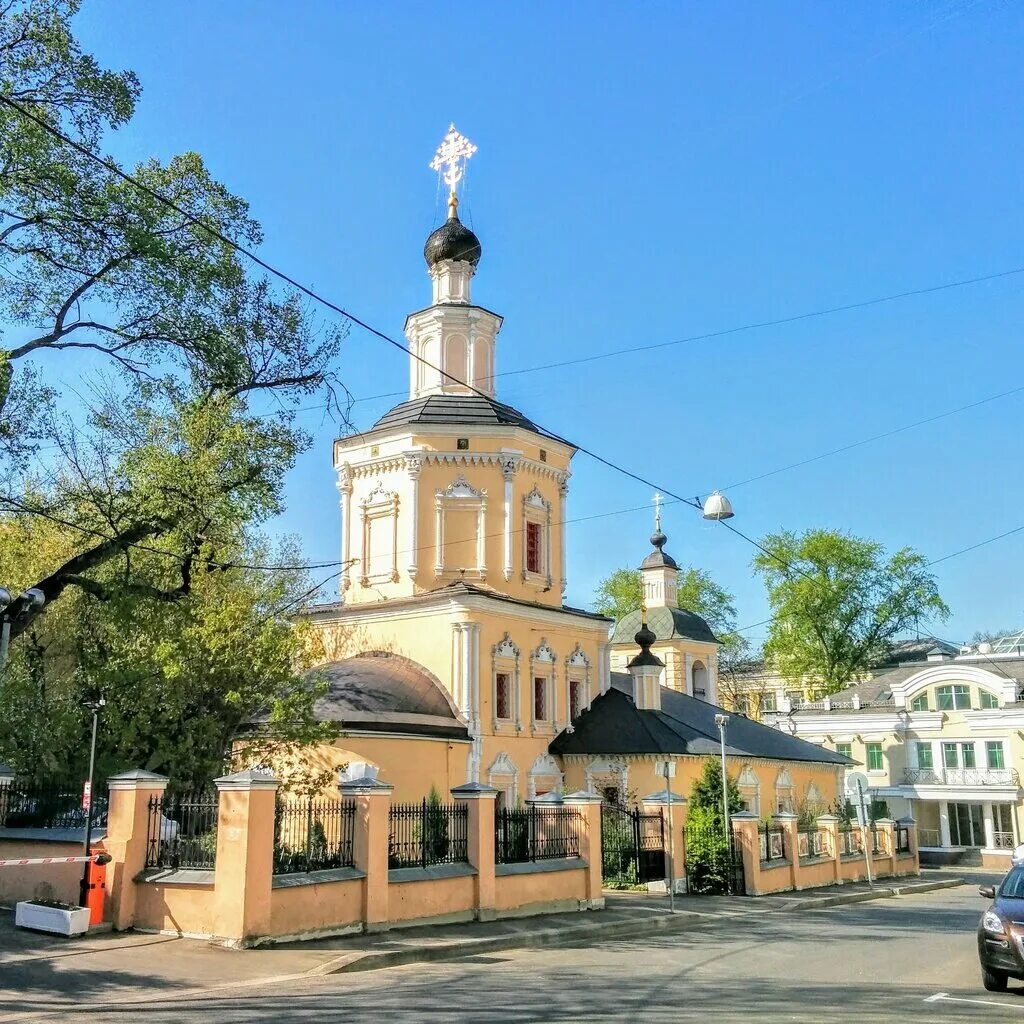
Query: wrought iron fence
(772, 843)
(902, 835)
(182, 830)
(811, 843)
(531, 834)
(41, 801)
(427, 833)
(313, 835)
(1003, 840)
(849, 841)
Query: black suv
(1001, 932)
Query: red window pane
(540, 699)
(533, 547)
(575, 698)
(502, 696)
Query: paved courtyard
(896, 959)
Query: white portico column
(990, 832)
(414, 464)
(689, 673)
(563, 491)
(509, 465)
(944, 837)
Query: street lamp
(93, 706)
(29, 600)
(722, 721)
(717, 506)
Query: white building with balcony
(942, 741)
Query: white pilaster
(689, 673)
(509, 465)
(457, 667)
(944, 836)
(712, 694)
(345, 490)
(414, 463)
(563, 491)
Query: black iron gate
(713, 865)
(632, 846)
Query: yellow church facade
(450, 656)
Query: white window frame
(749, 786)
(505, 659)
(461, 496)
(542, 666)
(784, 792)
(537, 509)
(1002, 757)
(577, 670)
(376, 508)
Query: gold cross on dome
(451, 155)
(658, 499)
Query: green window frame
(846, 749)
(876, 761)
(950, 756)
(988, 699)
(956, 697)
(920, 702)
(994, 756)
(924, 756)
(967, 758)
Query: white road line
(946, 998)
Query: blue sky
(647, 173)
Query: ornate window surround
(750, 789)
(503, 774)
(577, 670)
(379, 504)
(505, 658)
(542, 666)
(537, 509)
(784, 790)
(461, 495)
(607, 770)
(543, 767)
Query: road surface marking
(946, 998)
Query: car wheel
(994, 981)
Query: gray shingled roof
(458, 410)
(667, 623)
(614, 725)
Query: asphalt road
(912, 958)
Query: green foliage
(707, 852)
(140, 525)
(707, 792)
(839, 602)
(435, 828)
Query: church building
(451, 656)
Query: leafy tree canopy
(134, 500)
(839, 602)
(706, 794)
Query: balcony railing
(961, 777)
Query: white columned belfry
(658, 571)
(452, 341)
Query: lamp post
(722, 721)
(93, 706)
(31, 599)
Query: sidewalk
(49, 974)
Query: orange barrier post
(96, 890)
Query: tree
(708, 851)
(139, 520)
(839, 602)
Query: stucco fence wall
(834, 867)
(42, 881)
(241, 902)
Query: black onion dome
(452, 241)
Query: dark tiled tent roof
(379, 691)
(667, 623)
(458, 410)
(685, 725)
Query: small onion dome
(718, 506)
(452, 240)
(645, 636)
(657, 557)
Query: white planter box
(52, 919)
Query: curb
(878, 894)
(370, 961)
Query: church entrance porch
(632, 846)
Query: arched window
(784, 792)
(700, 680)
(455, 358)
(750, 790)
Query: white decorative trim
(503, 768)
(544, 766)
(505, 658)
(461, 488)
(345, 490)
(379, 504)
(537, 510)
(954, 672)
(543, 653)
(414, 466)
(461, 494)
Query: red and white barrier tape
(96, 858)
